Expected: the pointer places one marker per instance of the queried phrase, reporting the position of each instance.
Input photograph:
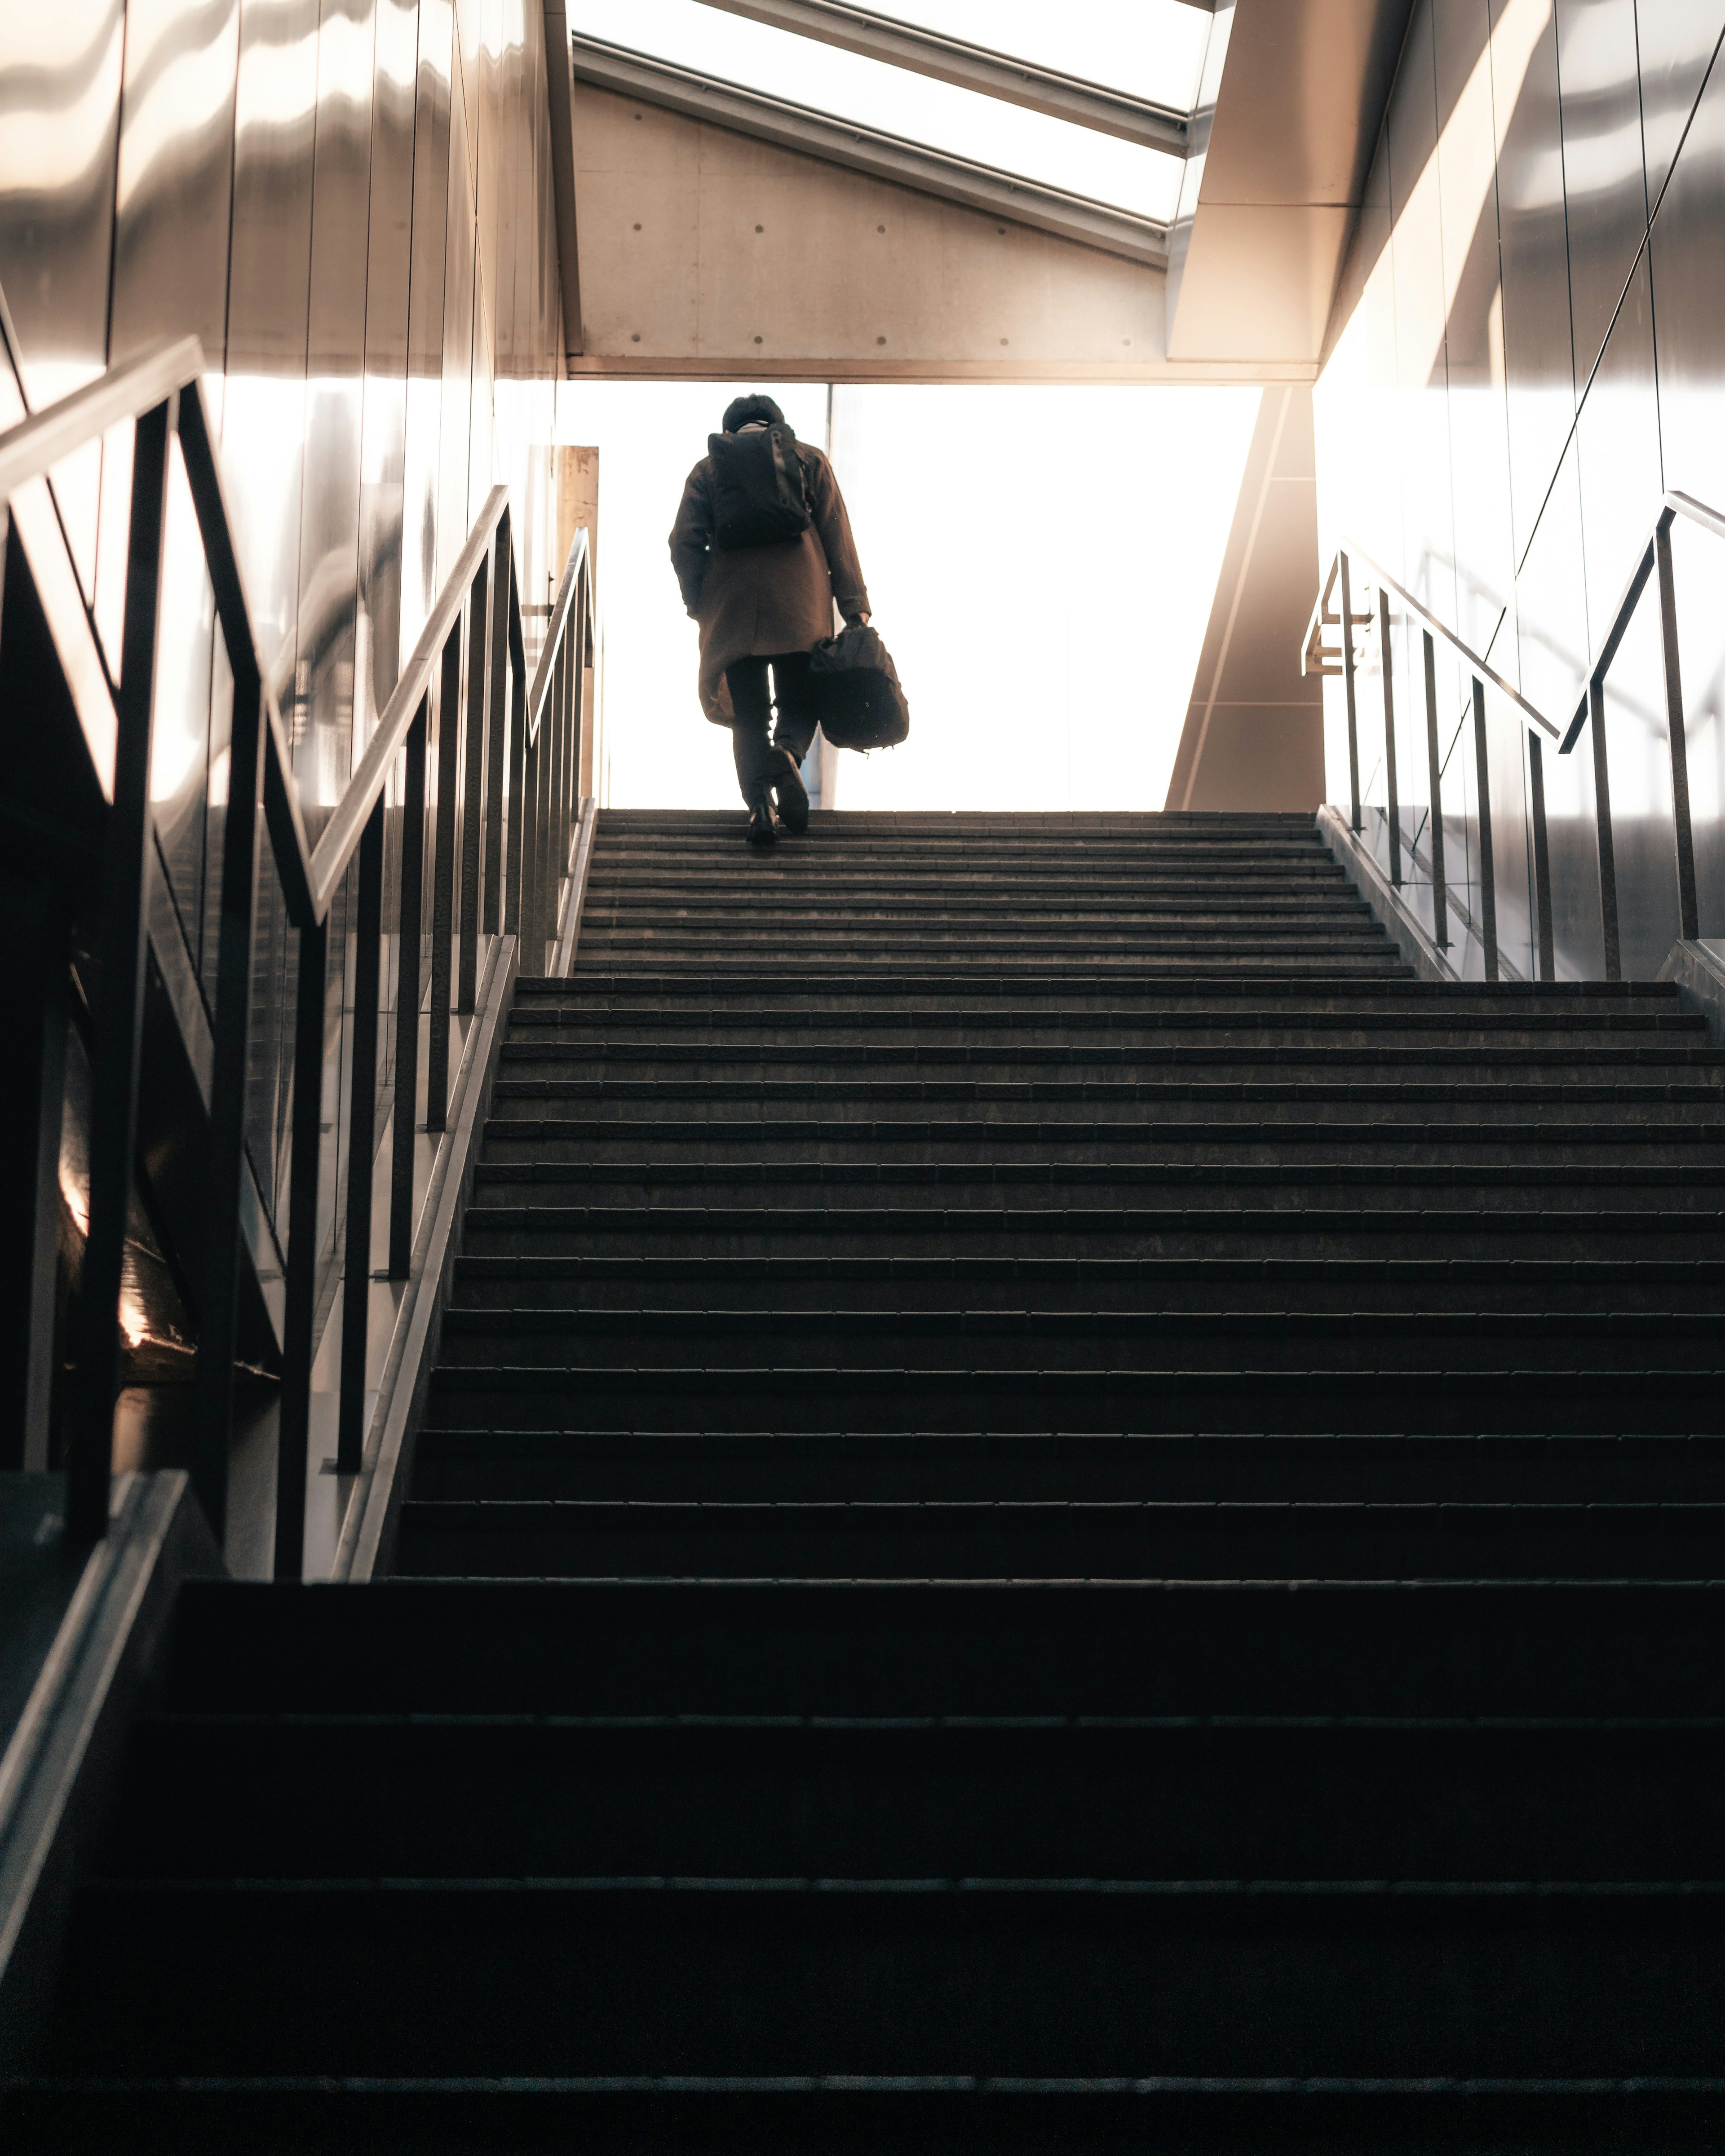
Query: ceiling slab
(788, 126)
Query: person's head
(752, 411)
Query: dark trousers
(753, 734)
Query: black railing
(493, 854)
(1343, 661)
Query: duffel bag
(858, 696)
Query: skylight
(895, 101)
(1148, 49)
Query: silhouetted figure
(762, 549)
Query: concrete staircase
(1060, 1511)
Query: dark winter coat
(756, 601)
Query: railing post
(515, 887)
(473, 793)
(218, 1312)
(1542, 860)
(1488, 884)
(530, 847)
(1602, 821)
(1688, 912)
(496, 746)
(407, 999)
(294, 1417)
(362, 1145)
(1352, 707)
(1396, 806)
(443, 882)
(120, 992)
(1434, 757)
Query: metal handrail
(1655, 558)
(1313, 656)
(161, 391)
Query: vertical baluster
(407, 1000)
(294, 1417)
(443, 882)
(1602, 825)
(1396, 806)
(474, 767)
(548, 863)
(514, 890)
(1688, 911)
(530, 849)
(1488, 884)
(225, 1160)
(1352, 706)
(1542, 860)
(496, 746)
(361, 1143)
(119, 1012)
(1434, 757)
(517, 725)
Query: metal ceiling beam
(560, 88)
(971, 67)
(863, 150)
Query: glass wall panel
(1639, 760)
(1603, 181)
(1538, 348)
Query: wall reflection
(1530, 334)
(349, 201)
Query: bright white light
(893, 99)
(1042, 563)
(1150, 48)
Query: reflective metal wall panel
(1571, 838)
(175, 175)
(1551, 601)
(422, 457)
(336, 332)
(1698, 564)
(59, 114)
(456, 343)
(1622, 486)
(263, 416)
(1605, 182)
(1539, 360)
(1639, 757)
(1479, 426)
(1423, 429)
(1689, 297)
(383, 420)
(1676, 41)
(59, 120)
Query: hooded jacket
(757, 601)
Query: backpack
(759, 498)
(856, 692)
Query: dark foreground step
(1031, 1540)
(936, 1977)
(857, 2116)
(828, 1399)
(767, 1466)
(532, 1797)
(1278, 1648)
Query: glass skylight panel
(1149, 49)
(893, 101)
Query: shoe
(792, 795)
(763, 831)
